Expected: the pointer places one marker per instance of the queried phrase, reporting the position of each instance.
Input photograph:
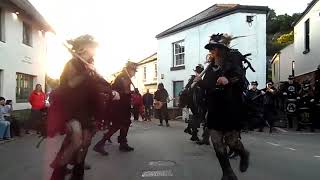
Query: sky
(126, 29)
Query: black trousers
(136, 113)
(148, 113)
(163, 114)
(270, 114)
(122, 139)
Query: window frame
(306, 36)
(26, 29)
(2, 25)
(155, 71)
(24, 87)
(144, 73)
(175, 64)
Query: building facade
(302, 58)
(147, 73)
(181, 47)
(283, 64)
(22, 51)
(307, 42)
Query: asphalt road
(167, 153)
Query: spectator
(37, 101)
(137, 104)
(4, 125)
(148, 103)
(14, 124)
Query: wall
(307, 62)
(138, 80)
(196, 38)
(286, 58)
(18, 57)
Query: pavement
(163, 153)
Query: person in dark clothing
(161, 97)
(148, 104)
(70, 109)
(290, 91)
(254, 102)
(305, 103)
(196, 105)
(269, 104)
(121, 111)
(223, 83)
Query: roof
(27, 8)
(306, 11)
(214, 12)
(151, 58)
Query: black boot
(244, 160)
(227, 172)
(194, 136)
(99, 148)
(78, 172)
(59, 173)
(229, 175)
(188, 130)
(124, 147)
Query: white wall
(307, 62)
(138, 79)
(18, 57)
(286, 58)
(196, 38)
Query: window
(178, 53)
(144, 74)
(177, 87)
(307, 36)
(27, 34)
(155, 72)
(2, 25)
(24, 87)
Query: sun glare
(58, 55)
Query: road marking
(292, 149)
(163, 173)
(316, 156)
(162, 163)
(273, 144)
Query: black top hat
(291, 77)
(199, 68)
(254, 83)
(219, 41)
(270, 82)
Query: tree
(279, 31)
(286, 39)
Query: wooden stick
(201, 74)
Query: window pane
(24, 87)
(307, 35)
(26, 34)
